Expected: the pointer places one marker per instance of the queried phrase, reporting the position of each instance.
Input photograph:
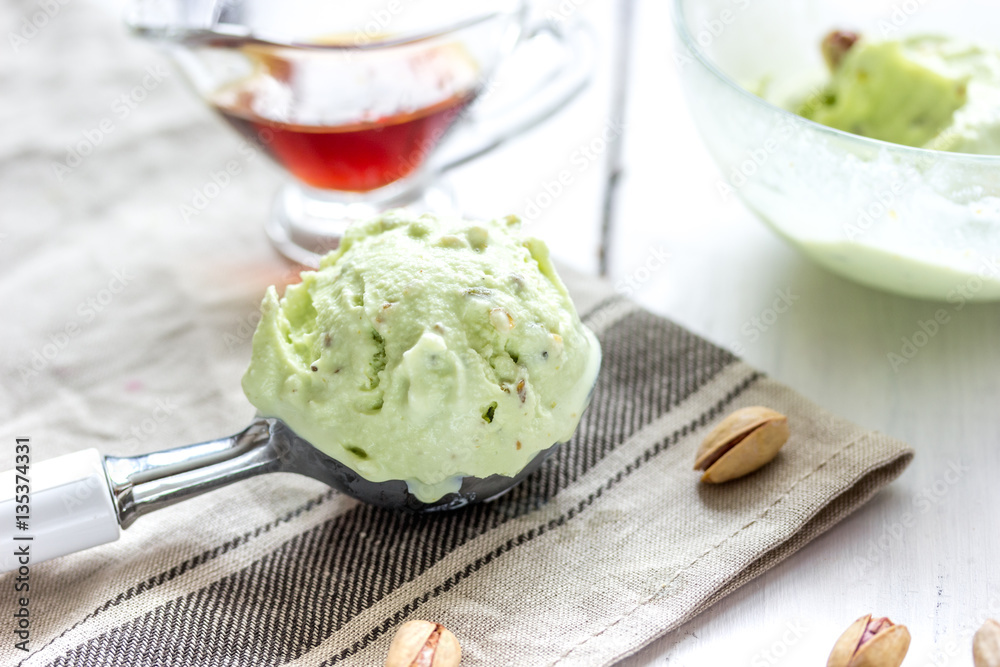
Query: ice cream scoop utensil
(84, 499)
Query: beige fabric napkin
(611, 544)
(127, 328)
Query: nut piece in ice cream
(426, 350)
(743, 442)
(423, 644)
(871, 642)
(836, 45)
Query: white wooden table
(925, 552)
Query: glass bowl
(913, 221)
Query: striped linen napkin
(611, 544)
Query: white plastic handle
(70, 508)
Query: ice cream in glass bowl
(867, 134)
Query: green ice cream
(926, 91)
(426, 350)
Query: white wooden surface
(925, 552)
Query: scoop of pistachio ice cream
(426, 350)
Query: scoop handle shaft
(145, 483)
(59, 506)
(82, 500)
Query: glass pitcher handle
(483, 132)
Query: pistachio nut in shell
(423, 644)
(871, 642)
(743, 442)
(986, 645)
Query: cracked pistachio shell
(423, 644)
(743, 442)
(887, 648)
(986, 645)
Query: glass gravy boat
(363, 103)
